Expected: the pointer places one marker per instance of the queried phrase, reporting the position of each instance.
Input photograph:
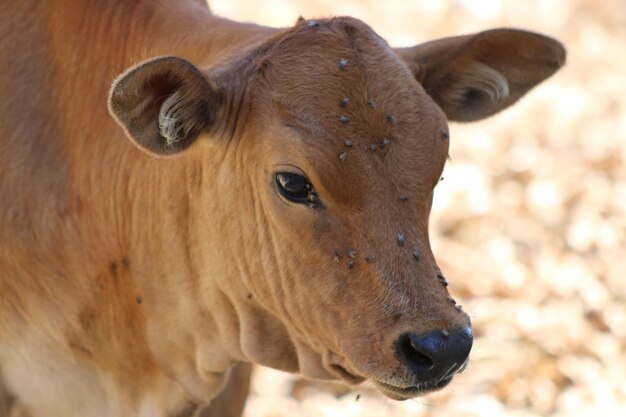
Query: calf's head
(324, 146)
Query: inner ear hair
(475, 82)
(176, 121)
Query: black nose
(436, 355)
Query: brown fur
(131, 285)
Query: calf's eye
(296, 188)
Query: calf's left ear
(164, 104)
(474, 76)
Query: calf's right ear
(164, 104)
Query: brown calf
(287, 226)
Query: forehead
(352, 105)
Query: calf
(270, 207)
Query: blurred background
(529, 224)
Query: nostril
(415, 353)
(437, 354)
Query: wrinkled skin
(150, 271)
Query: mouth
(405, 393)
(392, 391)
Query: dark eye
(296, 188)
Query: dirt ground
(529, 224)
